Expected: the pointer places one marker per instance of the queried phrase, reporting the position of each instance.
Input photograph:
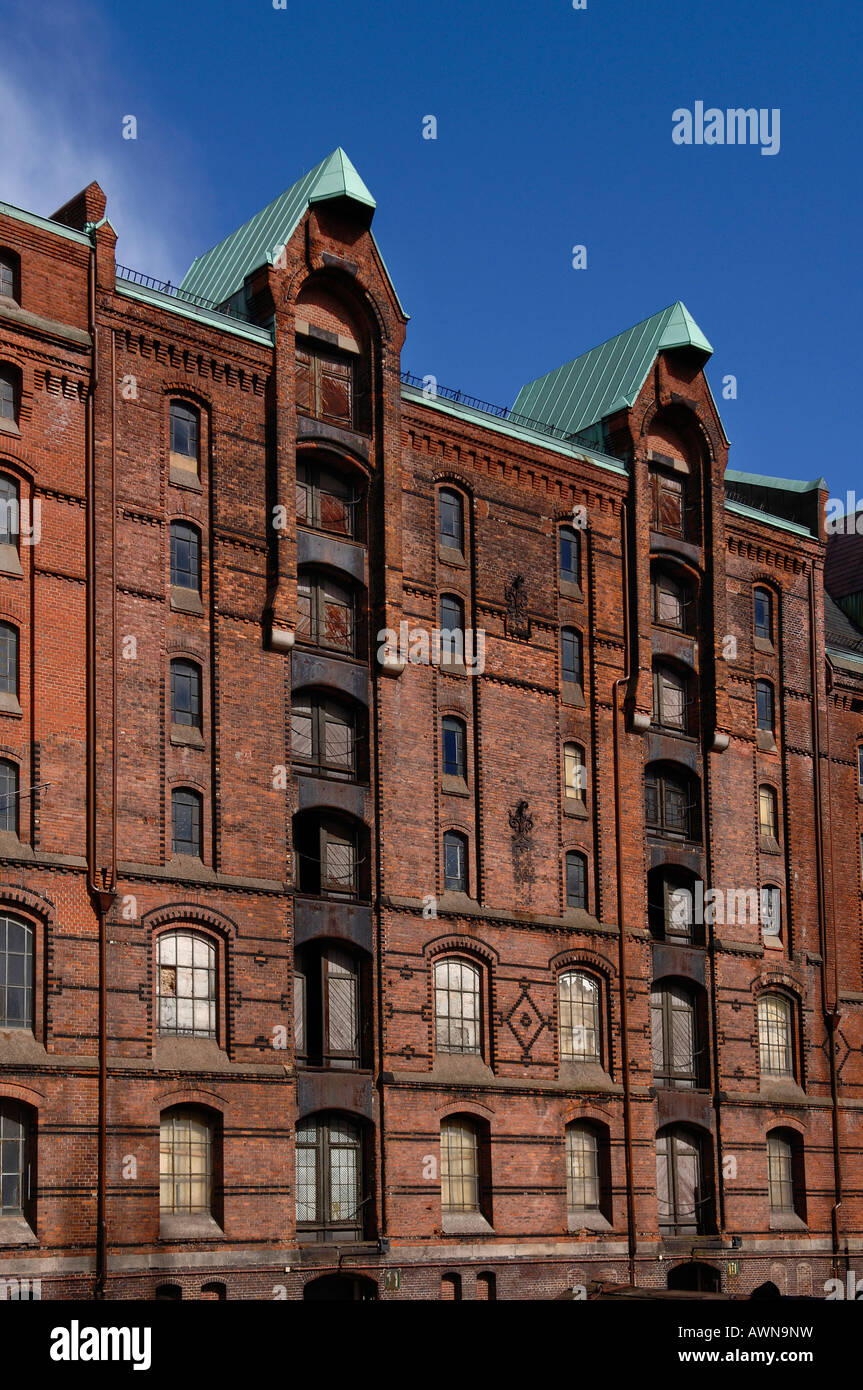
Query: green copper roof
(221, 271)
(609, 377)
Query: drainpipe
(622, 965)
(830, 1004)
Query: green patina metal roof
(732, 475)
(609, 377)
(220, 272)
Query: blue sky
(554, 130)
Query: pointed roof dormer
(220, 272)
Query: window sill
(9, 705)
(766, 741)
(572, 694)
(573, 806)
(10, 562)
(173, 1052)
(768, 845)
(187, 735)
(19, 1046)
(585, 1076)
(455, 786)
(189, 866)
(9, 427)
(781, 1088)
(196, 1226)
(451, 900)
(182, 475)
(787, 1221)
(587, 1221)
(186, 600)
(764, 644)
(15, 1230)
(569, 589)
(451, 557)
(13, 847)
(458, 1223)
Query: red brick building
(428, 868)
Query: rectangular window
(767, 812)
(764, 704)
(576, 881)
(325, 386)
(455, 863)
(570, 656)
(454, 764)
(667, 513)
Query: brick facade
(91, 866)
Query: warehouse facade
(428, 868)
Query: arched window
(583, 1186)
(486, 1287)
(186, 693)
(215, 1291)
(775, 1035)
(328, 500)
(670, 802)
(764, 707)
(10, 392)
(329, 1006)
(574, 772)
(324, 735)
(457, 1006)
(184, 436)
(185, 556)
(168, 1293)
(10, 274)
(771, 911)
(186, 822)
(576, 880)
(767, 817)
(672, 600)
(676, 1032)
(683, 1199)
(579, 1022)
(16, 973)
(450, 1288)
(327, 848)
(8, 659)
(455, 862)
(571, 669)
(785, 1173)
(186, 984)
(326, 615)
(186, 1161)
(454, 745)
(16, 1178)
(10, 515)
(451, 519)
(763, 614)
(329, 1179)
(671, 698)
(569, 543)
(460, 1165)
(9, 797)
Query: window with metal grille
(570, 656)
(327, 500)
(184, 431)
(186, 984)
(186, 822)
(454, 734)
(326, 613)
(764, 705)
(8, 659)
(185, 556)
(459, 1151)
(574, 773)
(455, 861)
(15, 1126)
(775, 1035)
(677, 1049)
(9, 264)
(186, 1144)
(326, 385)
(16, 973)
(763, 614)
(186, 693)
(324, 735)
(9, 390)
(767, 820)
(582, 1168)
(682, 1201)
(670, 699)
(451, 519)
(329, 1179)
(457, 1006)
(578, 1007)
(576, 880)
(9, 797)
(670, 806)
(569, 542)
(327, 850)
(10, 517)
(782, 1173)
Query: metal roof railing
(149, 282)
(504, 413)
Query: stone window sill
(455, 786)
(15, 1230)
(574, 806)
(766, 741)
(10, 561)
(572, 694)
(12, 846)
(9, 427)
(9, 704)
(189, 866)
(587, 1221)
(764, 644)
(570, 590)
(186, 600)
(195, 1226)
(184, 474)
(787, 1221)
(451, 557)
(187, 735)
(466, 1223)
(768, 845)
